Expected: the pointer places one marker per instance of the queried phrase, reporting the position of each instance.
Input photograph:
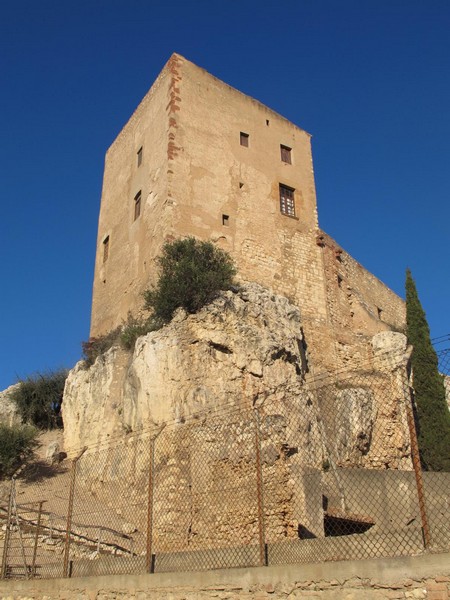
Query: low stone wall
(422, 577)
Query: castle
(199, 158)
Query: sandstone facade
(200, 158)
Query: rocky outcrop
(214, 390)
(390, 350)
(8, 409)
(244, 348)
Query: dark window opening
(380, 312)
(241, 185)
(339, 281)
(287, 201)
(137, 205)
(244, 139)
(105, 248)
(225, 220)
(267, 122)
(337, 525)
(286, 154)
(139, 157)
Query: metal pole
(149, 558)
(38, 525)
(7, 532)
(259, 492)
(417, 467)
(69, 513)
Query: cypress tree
(433, 416)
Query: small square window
(244, 139)
(137, 205)
(105, 248)
(139, 157)
(287, 201)
(286, 154)
(225, 220)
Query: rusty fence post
(7, 532)
(149, 556)
(36, 537)
(259, 491)
(409, 402)
(69, 513)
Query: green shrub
(125, 335)
(96, 346)
(191, 274)
(135, 327)
(16, 446)
(39, 397)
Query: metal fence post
(7, 532)
(36, 538)
(260, 492)
(69, 513)
(149, 557)
(409, 402)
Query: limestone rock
(245, 346)
(389, 349)
(245, 349)
(8, 410)
(52, 453)
(355, 416)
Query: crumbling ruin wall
(359, 305)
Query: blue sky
(369, 79)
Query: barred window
(139, 157)
(137, 205)
(287, 201)
(286, 154)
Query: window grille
(287, 201)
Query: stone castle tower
(200, 158)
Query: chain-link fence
(34, 513)
(330, 472)
(443, 354)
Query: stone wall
(359, 304)
(418, 578)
